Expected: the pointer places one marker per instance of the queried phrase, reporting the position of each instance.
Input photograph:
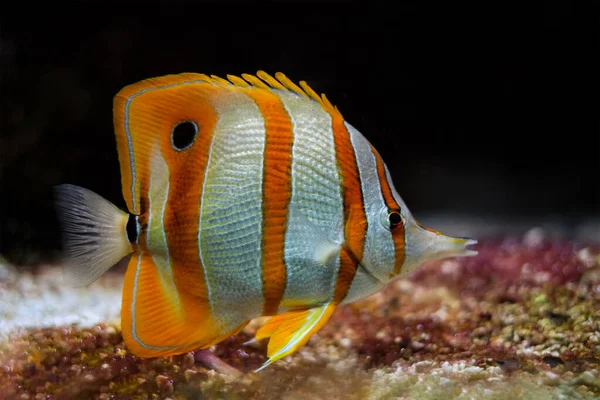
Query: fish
(246, 197)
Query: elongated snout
(423, 244)
(443, 246)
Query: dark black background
(486, 109)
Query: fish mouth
(468, 251)
(471, 242)
(441, 244)
(447, 246)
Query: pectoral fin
(290, 331)
(325, 249)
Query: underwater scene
(299, 200)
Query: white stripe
(395, 194)
(204, 265)
(156, 239)
(316, 194)
(230, 236)
(133, 303)
(379, 251)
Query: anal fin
(290, 331)
(160, 319)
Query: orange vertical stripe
(398, 233)
(355, 219)
(182, 215)
(277, 193)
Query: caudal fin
(94, 233)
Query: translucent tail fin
(94, 233)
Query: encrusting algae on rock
(520, 320)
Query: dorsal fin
(261, 80)
(280, 81)
(133, 148)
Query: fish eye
(395, 219)
(183, 134)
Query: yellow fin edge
(290, 331)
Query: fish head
(399, 244)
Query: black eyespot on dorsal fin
(183, 135)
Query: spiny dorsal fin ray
(289, 84)
(220, 80)
(255, 81)
(263, 80)
(237, 81)
(274, 83)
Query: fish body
(251, 197)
